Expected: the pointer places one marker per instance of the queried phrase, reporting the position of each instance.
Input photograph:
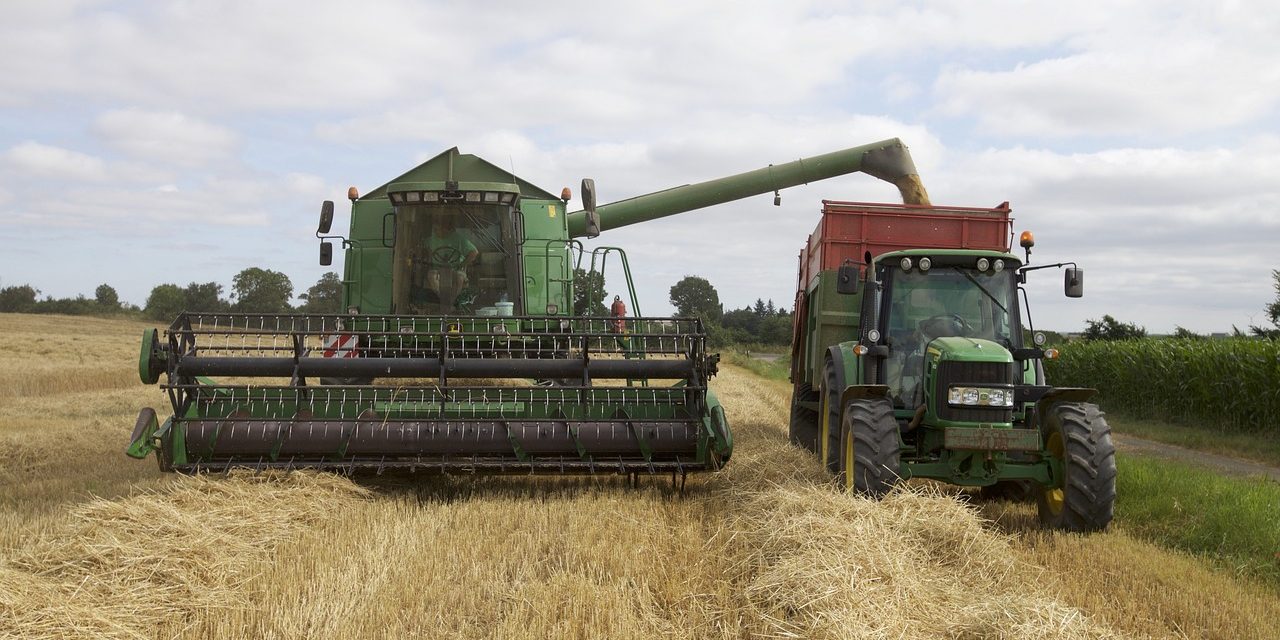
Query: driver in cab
(449, 253)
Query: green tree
(1273, 313)
(21, 298)
(165, 302)
(588, 293)
(325, 296)
(205, 296)
(1111, 329)
(261, 291)
(1183, 333)
(694, 296)
(106, 297)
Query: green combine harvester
(459, 351)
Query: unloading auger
(459, 351)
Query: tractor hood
(961, 349)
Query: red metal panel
(849, 229)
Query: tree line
(761, 323)
(253, 290)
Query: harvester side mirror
(1073, 282)
(326, 254)
(589, 206)
(326, 217)
(847, 279)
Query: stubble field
(96, 545)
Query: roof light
(998, 266)
(905, 263)
(473, 196)
(873, 335)
(491, 196)
(396, 198)
(431, 196)
(352, 193)
(983, 264)
(413, 196)
(1027, 240)
(925, 264)
(508, 197)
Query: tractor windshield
(454, 259)
(944, 301)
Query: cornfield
(1231, 384)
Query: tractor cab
(455, 251)
(944, 304)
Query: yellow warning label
(551, 211)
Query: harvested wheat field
(95, 545)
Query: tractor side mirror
(589, 206)
(326, 254)
(1073, 282)
(326, 217)
(847, 279)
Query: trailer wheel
(870, 448)
(830, 413)
(804, 421)
(1077, 434)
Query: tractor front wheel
(870, 453)
(804, 421)
(1076, 433)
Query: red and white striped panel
(341, 345)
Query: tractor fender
(1061, 394)
(863, 391)
(845, 361)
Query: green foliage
(588, 293)
(204, 297)
(325, 296)
(1228, 384)
(165, 302)
(18, 299)
(762, 323)
(106, 297)
(1273, 313)
(1111, 329)
(1183, 333)
(694, 296)
(1233, 521)
(261, 291)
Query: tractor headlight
(905, 263)
(925, 263)
(983, 264)
(979, 397)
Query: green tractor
(459, 351)
(909, 361)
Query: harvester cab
(459, 350)
(922, 371)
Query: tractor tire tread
(804, 428)
(876, 446)
(1090, 468)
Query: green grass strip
(1234, 522)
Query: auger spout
(888, 160)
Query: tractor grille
(972, 373)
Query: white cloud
(1147, 73)
(46, 161)
(166, 137)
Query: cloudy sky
(151, 142)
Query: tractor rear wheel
(830, 415)
(1077, 434)
(870, 450)
(804, 421)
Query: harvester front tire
(804, 422)
(1078, 433)
(870, 450)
